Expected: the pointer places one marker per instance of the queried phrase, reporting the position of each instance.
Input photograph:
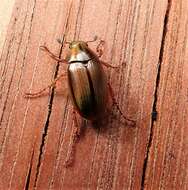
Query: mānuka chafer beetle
(87, 82)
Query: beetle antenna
(94, 39)
(61, 41)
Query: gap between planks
(154, 110)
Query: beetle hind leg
(115, 103)
(77, 130)
(100, 48)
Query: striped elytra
(87, 81)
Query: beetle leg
(75, 137)
(100, 51)
(39, 93)
(109, 65)
(117, 105)
(100, 48)
(52, 55)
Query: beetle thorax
(80, 56)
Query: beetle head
(78, 46)
(79, 50)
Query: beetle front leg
(100, 48)
(100, 51)
(75, 137)
(52, 55)
(39, 93)
(115, 103)
(109, 65)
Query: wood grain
(167, 166)
(148, 39)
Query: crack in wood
(45, 131)
(51, 98)
(29, 172)
(28, 178)
(154, 108)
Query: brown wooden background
(149, 39)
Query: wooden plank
(168, 158)
(22, 120)
(35, 134)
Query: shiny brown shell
(87, 83)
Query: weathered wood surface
(167, 166)
(149, 40)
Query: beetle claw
(95, 37)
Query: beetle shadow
(83, 126)
(114, 129)
(104, 127)
(109, 118)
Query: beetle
(87, 81)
